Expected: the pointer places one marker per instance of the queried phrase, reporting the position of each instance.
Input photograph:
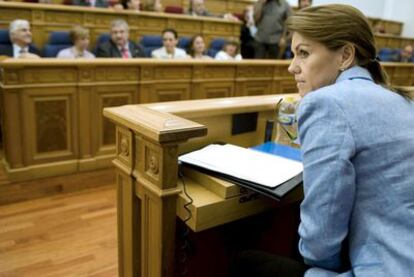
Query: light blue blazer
(357, 142)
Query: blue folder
(279, 150)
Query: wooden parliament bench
(151, 195)
(46, 18)
(52, 109)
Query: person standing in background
(247, 33)
(270, 16)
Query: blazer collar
(354, 72)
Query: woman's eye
(303, 53)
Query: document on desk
(250, 168)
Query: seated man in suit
(21, 38)
(119, 46)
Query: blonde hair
(336, 26)
(78, 32)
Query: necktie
(22, 51)
(125, 53)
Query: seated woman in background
(230, 52)
(169, 50)
(80, 40)
(197, 48)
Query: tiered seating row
(48, 18)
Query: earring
(342, 69)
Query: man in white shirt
(169, 50)
(21, 39)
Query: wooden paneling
(52, 109)
(390, 41)
(46, 18)
(390, 26)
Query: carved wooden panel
(173, 72)
(9, 14)
(254, 88)
(50, 75)
(255, 71)
(218, 28)
(112, 73)
(401, 76)
(11, 77)
(108, 128)
(184, 26)
(104, 20)
(124, 147)
(285, 86)
(219, 72)
(51, 125)
(282, 71)
(150, 23)
(164, 92)
(148, 160)
(64, 17)
(213, 90)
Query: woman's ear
(347, 56)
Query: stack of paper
(254, 169)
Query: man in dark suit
(119, 46)
(21, 39)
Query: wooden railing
(52, 109)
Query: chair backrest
(58, 40)
(4, 37)
(150, 43)
(388, 54)
(104, 37)
(215, 46)
(184, 42)
(174, 9)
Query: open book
(265, 173)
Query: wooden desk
(52, 109)
(150, 196)
(392, 41)
(391, 26)
(45, 18)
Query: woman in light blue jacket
(357, 143)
